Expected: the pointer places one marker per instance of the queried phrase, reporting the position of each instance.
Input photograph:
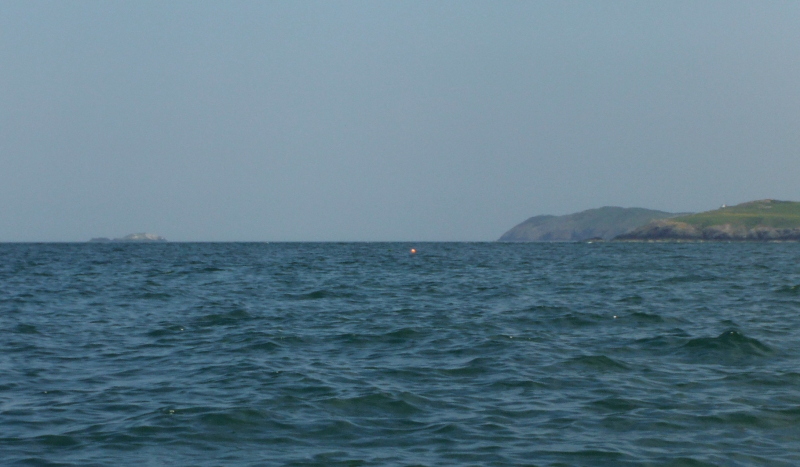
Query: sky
(386, 121)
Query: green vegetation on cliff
(765, 213)
(764, 220)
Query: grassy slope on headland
(766, 213)
(763, 220)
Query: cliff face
(670, 230)
(605, 223)
(765, 220)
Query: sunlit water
(365, 354)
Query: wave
(789, 290)
(618, 404)
(688, 278)
(371, 404)
(224, 319)
(633, 299)
(643, 317)
(26, 329)
(728, 345)
(321, 294)
(597, 362)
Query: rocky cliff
(763, 220)
(601, 223)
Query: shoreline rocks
(668, 230)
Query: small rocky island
(132, 238)
(754, 221)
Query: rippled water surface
(364, 354)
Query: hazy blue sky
(373, 120)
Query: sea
(366, 354)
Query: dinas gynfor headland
(765, 220)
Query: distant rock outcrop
(759, 221)
(136, 237)
(141, 237)
(602, 223)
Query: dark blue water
(363, 354)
